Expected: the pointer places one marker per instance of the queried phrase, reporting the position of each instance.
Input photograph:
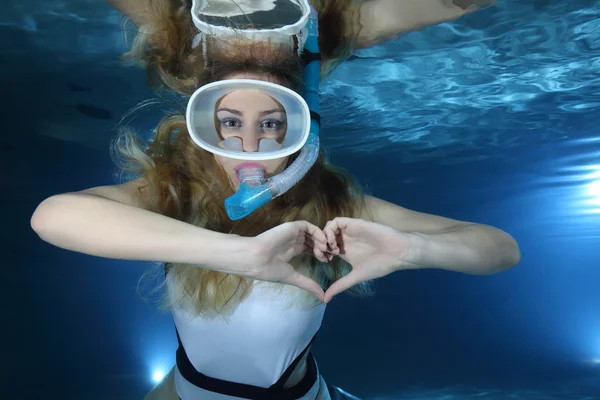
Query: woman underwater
(256, 231)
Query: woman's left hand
(373, 250)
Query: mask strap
(200, 38)
(197, 39)
(301, 39)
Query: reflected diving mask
(277, 21)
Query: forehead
(249, 99)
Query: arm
(113, 222)
(443, 243)
(384, 20)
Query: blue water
(493, 119)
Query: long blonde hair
(187, 183)
(163, 44)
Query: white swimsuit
(250, 354)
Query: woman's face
(250, 116)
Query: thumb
(304, 282)
(353, 278)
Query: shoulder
(133, 192)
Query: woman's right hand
(273, 250)
(107, 222)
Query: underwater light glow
(593, 194)
(594, 191)
(592, 362)
(158, 376)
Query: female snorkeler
(255, 230)
(171, 44)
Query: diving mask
(206, 121)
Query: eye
(272, 125)
(230, 123)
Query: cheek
(223, 162)
(276, 166)
(227, 165)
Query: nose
(250, 140)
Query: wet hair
(185, 182)
(163, 44)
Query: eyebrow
(238, 112)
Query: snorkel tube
(255, 191)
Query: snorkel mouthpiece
(252, 194)
(251, 175)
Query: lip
(248, 165)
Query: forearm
(384, 20)
(472, 249)
(102, 227)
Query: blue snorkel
(254, 191)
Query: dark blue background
(492, 119)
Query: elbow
(509, 255)
(44, 216)
(510, 252)
(514, 254)
(497, 251)
(39, 219)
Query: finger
(312, 236)
(322, 255)
(334, 249)
(319, 255)
(315, 248)
(338, 223)
(306, 283)
(353, 278)
(330, 232)
(320, 244)
(334, 230)
(315, 241)
(308, 241)
(314, 231)
(339, 243)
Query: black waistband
(274, 392)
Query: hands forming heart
(373, 250)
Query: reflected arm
(384, 20)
